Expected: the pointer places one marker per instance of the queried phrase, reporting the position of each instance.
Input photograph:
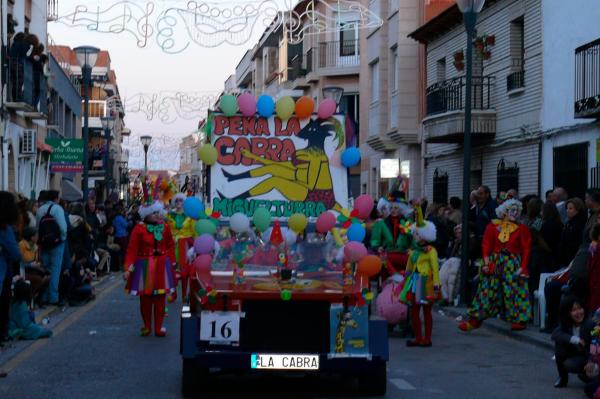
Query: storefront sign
(67, 155)
(285, 166)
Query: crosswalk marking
(402, 384)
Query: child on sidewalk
(22, 321)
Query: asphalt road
(96, 353)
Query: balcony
(587, 80)
(27, 89)
(339, 57)
(97, 110)
(446, 110)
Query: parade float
(280, 276)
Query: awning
(43, 147)
(70, 192)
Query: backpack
(49, 231)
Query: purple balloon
(204, 244)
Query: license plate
(285, 362)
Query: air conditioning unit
(28, 142)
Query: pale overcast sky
(150, 70)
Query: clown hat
(423, 229)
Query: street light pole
(146, 141)
(470, 9)
(108, 123)
(86, 58)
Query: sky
(149, 69)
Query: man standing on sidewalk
(52, 254)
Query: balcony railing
(450, 95)
(27, 86)
(339, 54)
(587, 80)
(515, 80)
(300, 66)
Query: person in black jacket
(572, 340)
(572, 233)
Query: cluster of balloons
(284, 108)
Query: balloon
(202, 264)
(325, 222)
(228, 105)
(205, 226)
(239, 222)
(364, 204)
(208, 154)
(351, 157)
(193, 207)
(265, 106)
(354, 251)
(261, 219)
(327, 108)
(304, 107)
(297, 222)
(285, 108)
(247, 104)
(370, 265)
(356, 232)
(204, 244)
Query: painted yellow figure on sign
(306, 177)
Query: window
(348, 38)
(516, 78)
(394, 70)
(441, 70)
(440, 187)
(507, 176)
(374, 82)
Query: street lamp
(108, 124)
(333, 92)
(470, 9)
(86, 58)
(146, 140)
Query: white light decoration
(207, 24)
(167, 106)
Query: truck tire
(192, 378)
(373, 382)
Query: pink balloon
(354, 251)
(325, 222)
(364, 205)
(202, 264)
(327, 108)
(247, 104)
(204, 244)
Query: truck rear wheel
(192, 378)
(373, 382)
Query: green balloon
(285, 108)
(208, 154)
(228, 105)
(261, 219)
(205, 226)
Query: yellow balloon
(297, 222)
(208, 154)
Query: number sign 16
(220, 326)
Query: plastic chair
(539, 308)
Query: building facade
(534, 83)
(390, 98)
(190, 173)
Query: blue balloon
(193, 208)
(265, 106)
(351, 157)
(356, 232)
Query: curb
(498, 326)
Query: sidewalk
(531, 335)
(55, 316)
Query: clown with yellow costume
(184, 233)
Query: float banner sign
(67, 155)
(287, 167)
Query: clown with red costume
(149, 264)
(503, 287)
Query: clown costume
(149, 266)
(503, 285)
(423, 283)
(183, 231)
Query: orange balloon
(304, 107)
(370, 265)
